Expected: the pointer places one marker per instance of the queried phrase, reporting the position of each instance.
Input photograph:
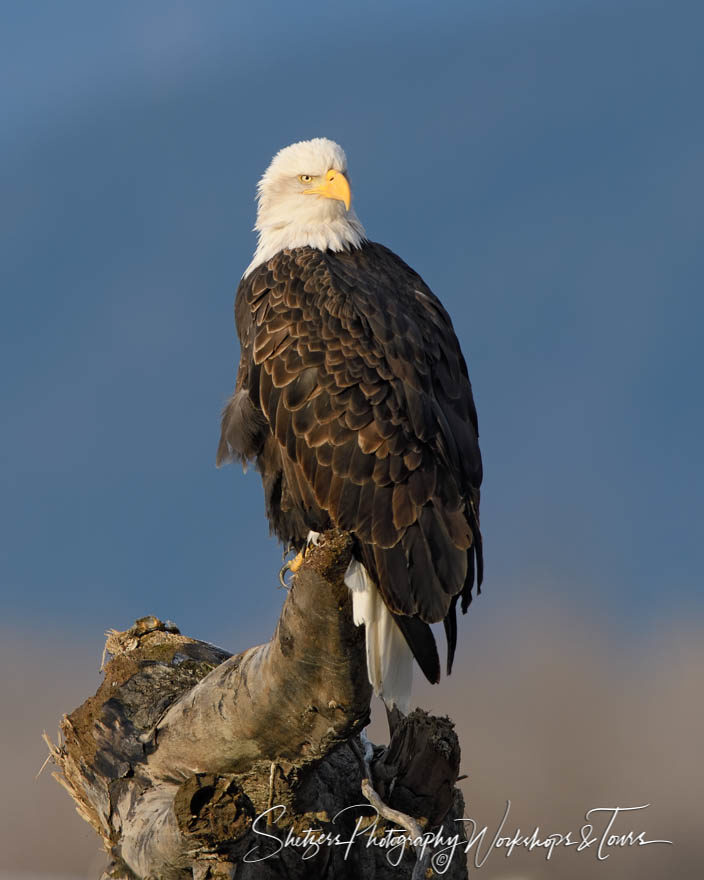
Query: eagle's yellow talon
(292, 565)
(297, 562)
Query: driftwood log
(192, 763)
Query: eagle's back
(354, 399)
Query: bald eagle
(353, 398)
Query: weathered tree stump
(192, 763)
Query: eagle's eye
(305, 178)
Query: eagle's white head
(304, 200)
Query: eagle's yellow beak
(335, 187)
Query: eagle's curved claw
(292, 565)
(282, 574)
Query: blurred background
(541, 165)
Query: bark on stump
(193, 763)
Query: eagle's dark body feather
(353, 397)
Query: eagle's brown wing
(353, 384)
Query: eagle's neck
(335, 232)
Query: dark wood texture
(184, 748)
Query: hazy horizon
(552, 714)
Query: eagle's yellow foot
(292, 565)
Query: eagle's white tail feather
(389, 659)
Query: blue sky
(539, 163)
